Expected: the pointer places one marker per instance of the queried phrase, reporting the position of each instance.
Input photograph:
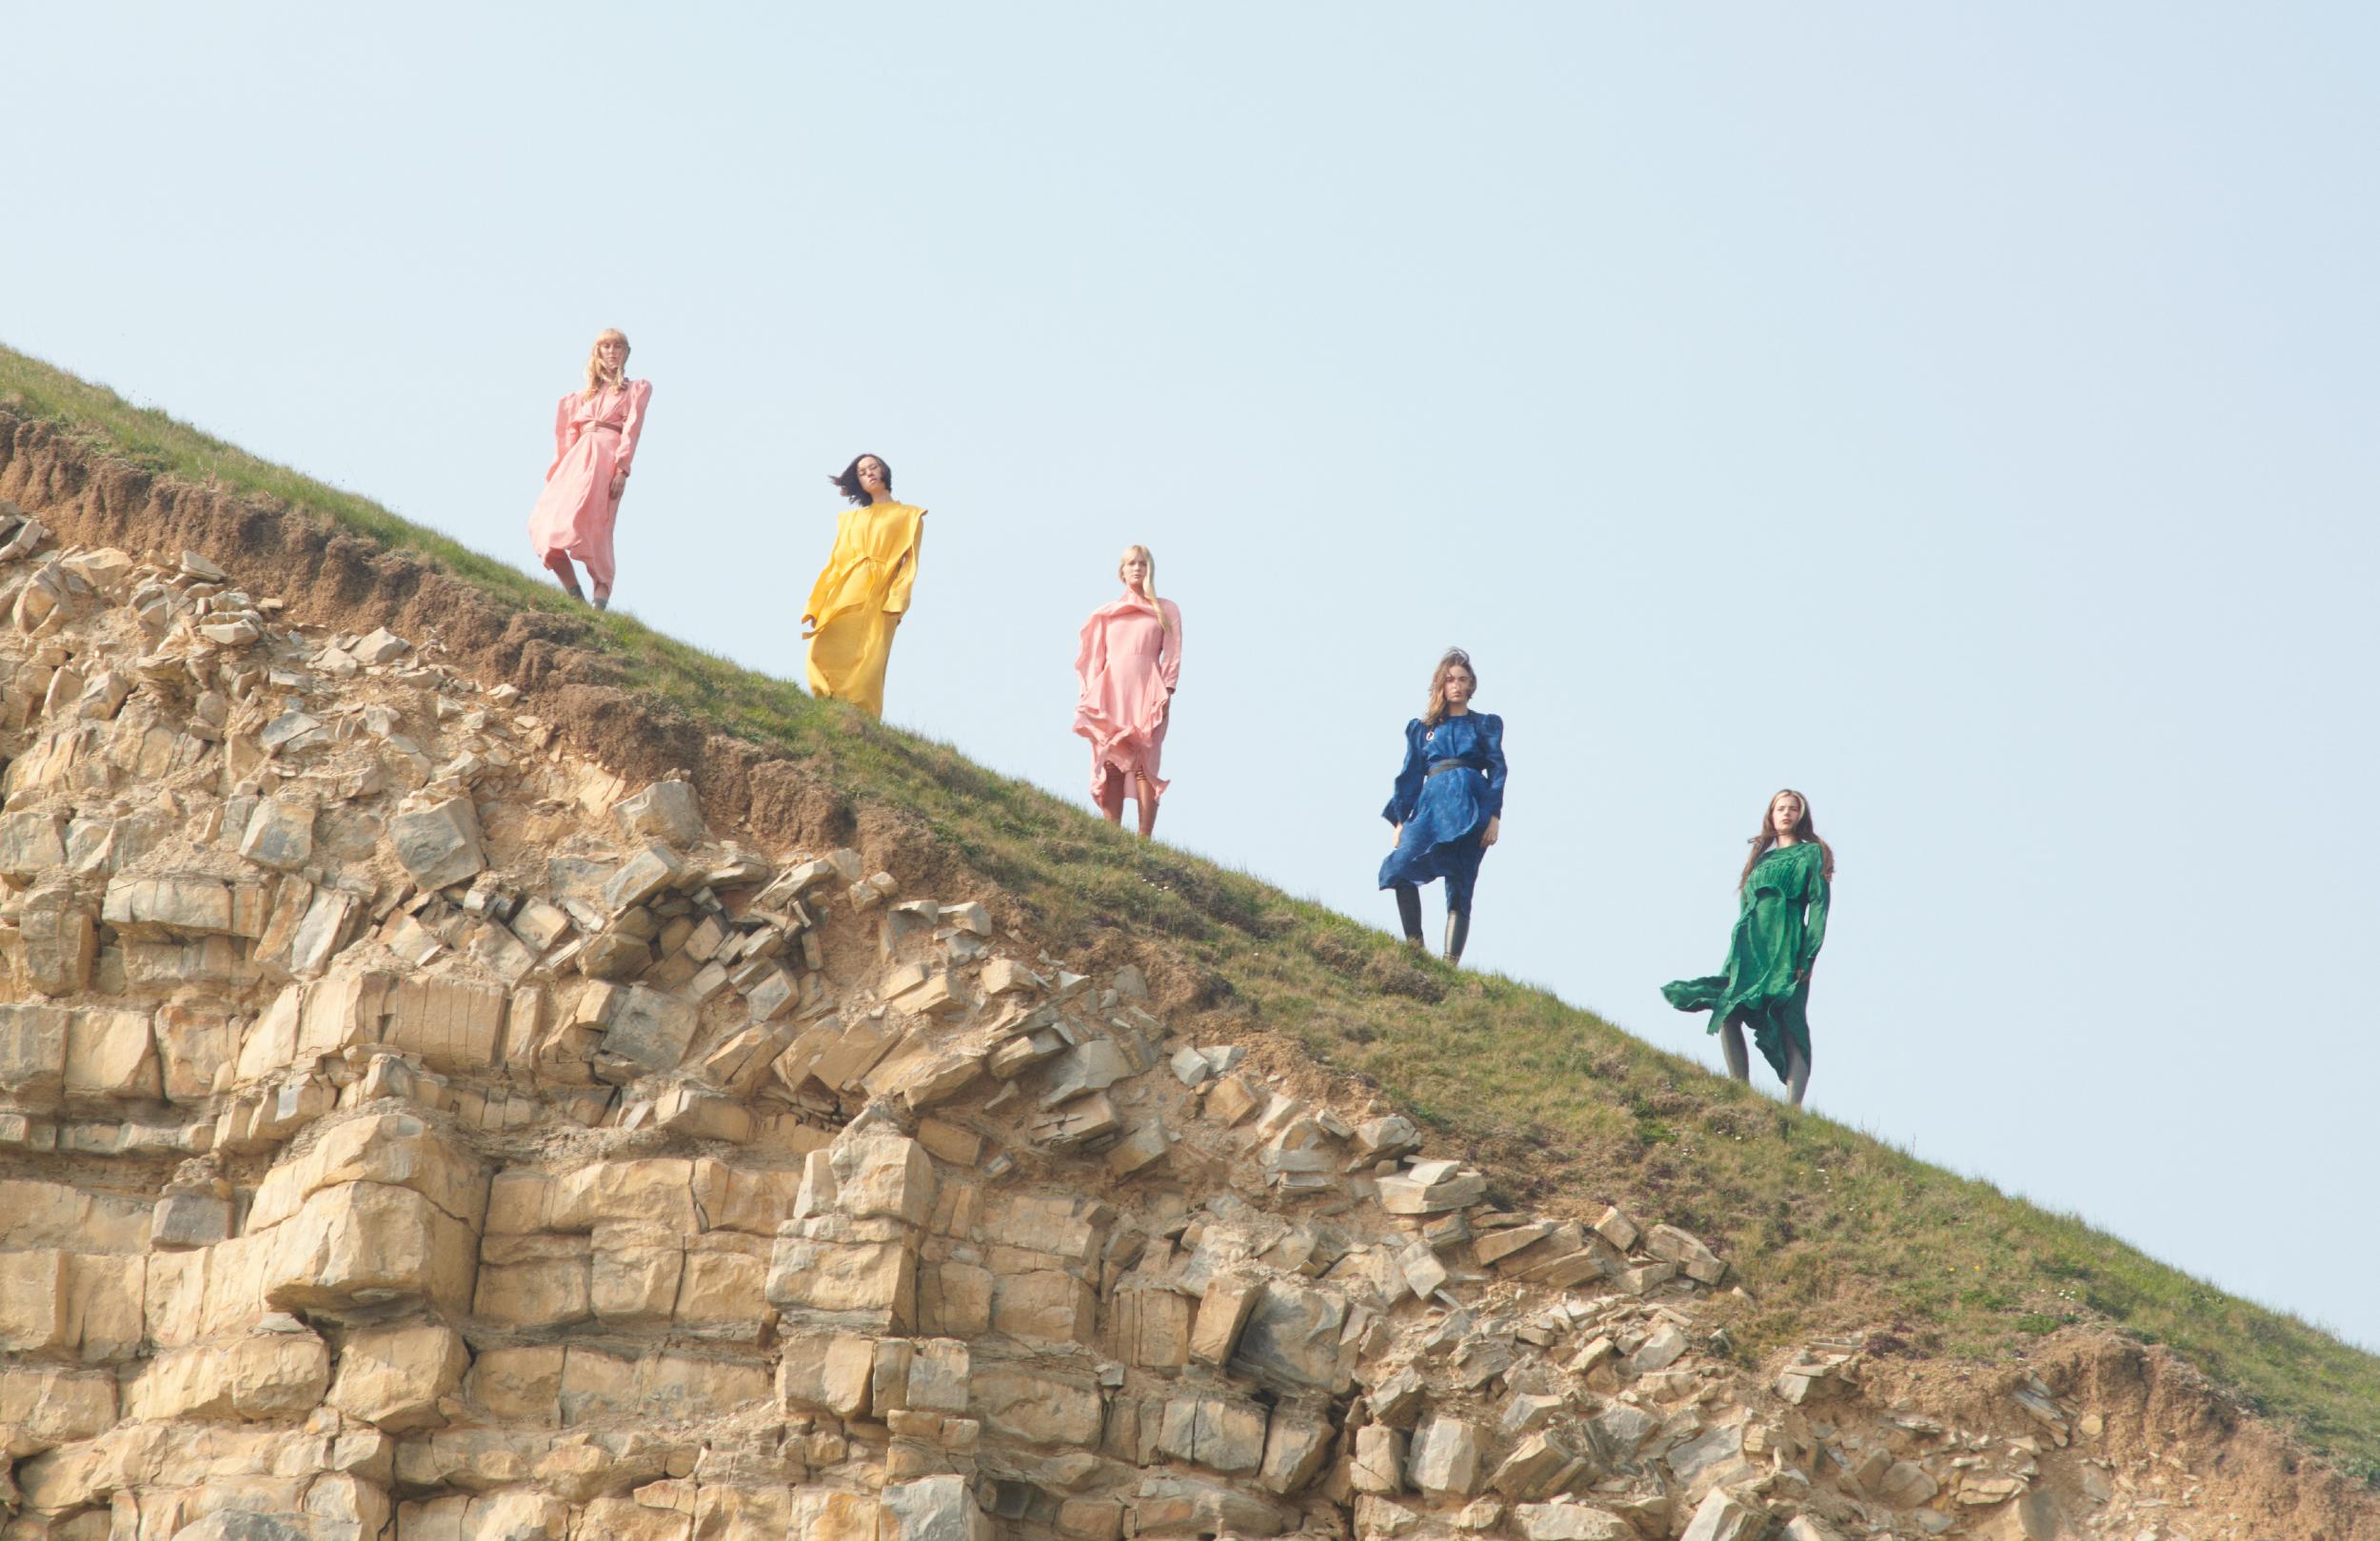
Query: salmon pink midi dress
(1128, 667)
(594, 437)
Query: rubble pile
(409, 1132)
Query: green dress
(1776, 938)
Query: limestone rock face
(411, 1132)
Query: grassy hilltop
(1831, 1231)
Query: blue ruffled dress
(1443, 814)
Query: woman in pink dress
(595, 431)
(1129, 664)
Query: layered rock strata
(409, 1131)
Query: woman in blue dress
(1448, 804)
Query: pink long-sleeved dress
(594, 436)
(1128, 666)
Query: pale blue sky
(1962, 414)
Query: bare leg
(1798, 1074)
(1732, 1045)
(1409, 915)
(559, 565)
(1144, 797)
(1112, 799)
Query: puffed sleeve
(562, 435)
(1813, 926)
(640, 392)
(905, 573)
(1170, 670)
(1090, 658)
(820, 593)
(1408, 794)
(1492, 746)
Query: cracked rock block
(665, 811)
(1419, 1194)
(1722, 1517)
(188, 1219)
(1296, 1443)
(1570, 1521)
(936, 1509)
(167, 906)
(381, 646)
(1167, 1505)
(833, 1371)
(1808, 1528)
(823, 1514)
(2032, 1516)
(866, 1270)
(879, 1172)
(1378, 1464)
(398, 1150)
(1223, 1313)
(243, 1525)
(56, 937)
(279, 836)
(1444, 1459)
(1539, 1467)
(438, 845)
(1671, 1245)
(1150, 1328)
(515, 1515)
(1040, 1409)
(49, 1405)
(649, 1029)
(363, 1245)
(1293, 1335)
(641, 876)
(260, 1375)
(32, 1051)
(32, 844)
(393, 1376)
(108, 1054)
(1214, 1431)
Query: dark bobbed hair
(848, 483)
(1764, 841)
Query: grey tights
(1739, 1062)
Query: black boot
(1409, 913)
(1458, 932)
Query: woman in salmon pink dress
(595, 434)
(1128, 666)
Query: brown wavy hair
(1433, 711)
(595, 376)
(848, 483)
(1803, 829)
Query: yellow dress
(859, 600)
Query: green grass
(1831, 1230)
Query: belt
(1453, 764)
(611, 427)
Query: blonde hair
(1148, 584)
(595, 359)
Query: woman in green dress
(1778, 930)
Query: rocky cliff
(411, 1128)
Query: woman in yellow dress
(858, 601)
